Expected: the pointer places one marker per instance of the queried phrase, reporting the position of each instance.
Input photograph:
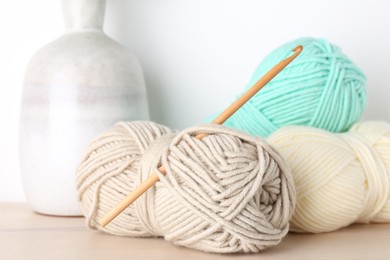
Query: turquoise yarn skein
(321, 88)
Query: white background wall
(197, 54)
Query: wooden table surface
(27, 235)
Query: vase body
(74, 88)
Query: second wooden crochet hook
(152, 179)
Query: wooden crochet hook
(152, 179)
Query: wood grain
(27, 235)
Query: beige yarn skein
(339, 178)
(228, 192)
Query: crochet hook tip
(298, 49)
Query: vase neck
(83, 14)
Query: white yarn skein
(339, 178)
(378, 135)
(228, 192)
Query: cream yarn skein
(228, 192)
(339, 178)
(378, 135)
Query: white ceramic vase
(74, 88)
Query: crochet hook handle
(152, 179)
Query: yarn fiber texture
(339, 178)
(321, 88)
(229, 192)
